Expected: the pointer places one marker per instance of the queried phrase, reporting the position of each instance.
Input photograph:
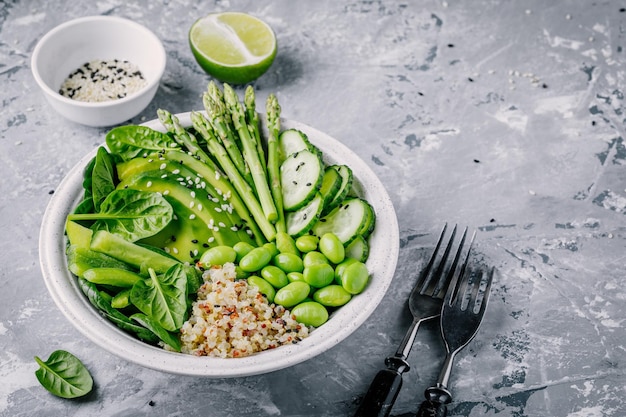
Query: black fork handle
(383, 390)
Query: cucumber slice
(299, 222)
(358, 249)
(330, 184)
(347, 179)
(300, 179)
(346, 221)
(291, 141)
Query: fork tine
(486, 292)
(427, 283)
(444, 280)
(424, 279)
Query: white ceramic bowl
(62, 285)
(71, 44)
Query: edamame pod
(111, 276)
(310, 313)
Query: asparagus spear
(202, 125)
(217, 114)
(272, 113)
(250, 153)
(185, 138)
(252, 118)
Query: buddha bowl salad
(221, 238)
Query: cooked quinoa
(231, 319)
(99, 80)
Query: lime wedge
(233, 47)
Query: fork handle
(435, 404)
(381, 394)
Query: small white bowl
(72, 44)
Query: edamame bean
(332, 296)
(240, 273)
(255, 260)
(355, 277)
(275, 276)
(307, 243)
(341, 267)
(242, 249)
(288, 262)
(263, 286)
(292, 294)
(295, 276)
(310, 313)
(332, 248)
(318, 275)
(286, 244)
(271, 247)
(111, 276)
(217, 255)
(314, 257)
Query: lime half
(233, 47)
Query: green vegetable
(274, 160)
(353, 217)
(314, 257)
(256, 259)
(300, 179)
(292, 294)
(217, 255)
(80, 259)
(131, 214)
(301, 221)
(332, 247)
(137, 256)
(163, 298)
(307, 243)
(242, 249)
(275, 276)
(310, 313)
(347, 178)
(102, 177)
(318, 275)
(64, 375)
(250, 154)
(332, 296)
(358, 249)
(355, 277)
(288, 262)
(152, 325)
(263, 286)
(111, 276)
(121, 299)
(131, 141)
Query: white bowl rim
(74, 305)
(102, 104)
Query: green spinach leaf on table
(64, 375)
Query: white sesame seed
(176, 172)
(193, 194)
(191, 204)
(149, 184)
(221, 224)
(192, 216)
(166, 192)
(175, 250)
(163, 166)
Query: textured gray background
(504, 116)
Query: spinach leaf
(64, 375)
(132, 141)
(165, 336)
(123, 322)
(102, 177)
(130, 214)
(163, 298)
(87, 178)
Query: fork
(425, 303)
(461, 315)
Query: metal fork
(461, 315)
(425, 303)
